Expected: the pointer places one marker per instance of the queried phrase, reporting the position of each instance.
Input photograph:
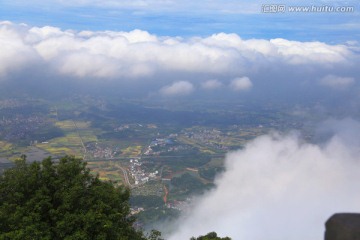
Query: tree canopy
(62, 200)
(210, 236)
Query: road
(125, 173)
(145, 157)
(82, 142)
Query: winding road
(125, 173)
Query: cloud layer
(241, 84)
(279, 187)
(337, 82)
(177, 88)
(139, 56)
(211, 84)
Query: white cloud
(137, 56)
(241, 84)
(211, 84)
(302, 52)
(177, 89)
(15, 54)
(279, 187)
(120, 52)
(337, 82)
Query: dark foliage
(62, 201)
(210, 173)
(189, 158)
(147, 201)
(210, 236)
(188, 184)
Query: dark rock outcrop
(343, 226)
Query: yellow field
(82, 124)
(5, 146)
(194, 143)
(132, 151)
(88, 136)
(207, 151)
(65, 125)
(104, 173)
(56, 150)
(72, 136)
(71, 142)
(69, 125)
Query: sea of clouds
(281, 187)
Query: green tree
(155, 235)
(62, 200)
(210, 236)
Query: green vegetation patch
(5, 146)
(62, 201)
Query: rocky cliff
(343, 226)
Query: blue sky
(190, 18)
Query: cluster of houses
(19, 126)
(139, 174)
(161, 145)
(98, 151)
